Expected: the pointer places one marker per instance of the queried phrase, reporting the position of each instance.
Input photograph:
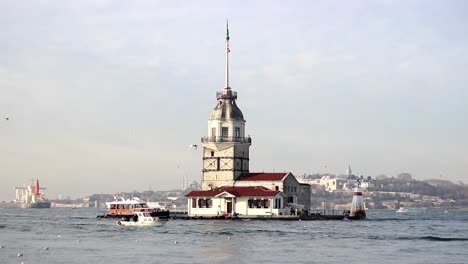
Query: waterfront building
(332, 183)
(228, 187)
(237, 201)
(297, 194)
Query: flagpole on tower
(226, 85)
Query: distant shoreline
(426, 208)
(10, 204)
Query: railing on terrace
(326, 212)
(226, 95)
(178, 210)
(226, 139)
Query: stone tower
(226, 148)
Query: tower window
(224, 132)
(212, 153)
(237, 132)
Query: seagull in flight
(193, 146)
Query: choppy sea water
(76, 236)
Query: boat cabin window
(112, 206)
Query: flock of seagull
(78, 241)
(45, 248)
(192, 146)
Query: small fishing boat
(402, 210)
(142, 219)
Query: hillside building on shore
(228, 187)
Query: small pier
(315, 215)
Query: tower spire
(226, 81)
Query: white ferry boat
(164, 206)
(126, 208)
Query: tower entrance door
(229, 207)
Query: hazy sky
(106, 96)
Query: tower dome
(227, 109)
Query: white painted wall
(216, 209)
(240, 206)
(218, 124)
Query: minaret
(226, 148)
(349, 172)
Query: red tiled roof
(236, 191)
(208, 193)
(262, 176)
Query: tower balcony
(227, 94)
(226, 140)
